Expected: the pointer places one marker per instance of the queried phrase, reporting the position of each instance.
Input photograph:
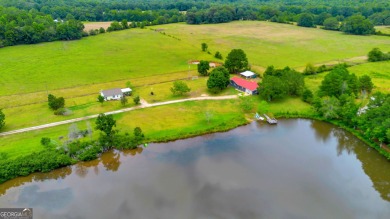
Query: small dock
(271, 121)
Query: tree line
(37, 21)
(28, 27)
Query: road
(144, 104)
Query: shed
(112, 94)
(126, 91)
(249, 87)
(248, 74)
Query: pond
(296, 169)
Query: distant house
(249, 87)
(248, 74)
(115, 94)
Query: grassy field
(378, 71)
(383, 29)
(78, 70)
(158, 123)
(103, 58)
(268, 43)
(39, 113)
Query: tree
(203, 67)
(102, 30)
(219, 79)
(310, 69)
(138, 135)
(136, 100)
(123, 100)
(100, 99)
(376, 55)
(55, 103)
(330, 107)
(125, 24)
(331, 24)
(218, 55)
(366, 83)
(307, 96)
(236, 61)
(306, 20)
(335, 82)
(105, 123)
(2, 119)
(272, 87)
(179, 88)
(204, 47)
(357, 24)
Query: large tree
(331, 24)
(358, 25)
(338, 82)
(306, 20)
(365, 83)
(272, 87)
(2, 119)
(105, 123)
(219, 79)
(236, 61)
(203, 67)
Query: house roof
(250, 85)
(112, 92)
(247, 73)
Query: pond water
(296, 169)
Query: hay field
(268, 43)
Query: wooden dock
(271, 121)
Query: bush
(90, 153)
(43, 161)
(376, 55)
(218, 55)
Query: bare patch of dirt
(96, 25)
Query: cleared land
(96, 25)
(103, 58)
(268, 43)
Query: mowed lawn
(268, 43)
(103, 58)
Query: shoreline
(220, 129)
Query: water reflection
(51, 200)
(297, 169)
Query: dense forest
(33, 21)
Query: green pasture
(107, 57)
(378, 71)
(39, 113)
(268, 43)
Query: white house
(112, 94)
(115, 94)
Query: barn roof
(250, 85)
